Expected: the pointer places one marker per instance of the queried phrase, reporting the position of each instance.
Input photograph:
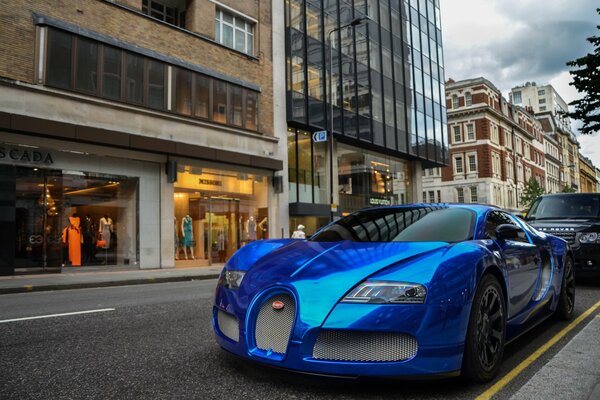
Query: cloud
(512, 42)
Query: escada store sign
(25, 155)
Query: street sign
(319, 136)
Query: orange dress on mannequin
(72, 237)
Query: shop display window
(216, 213)
(74, 219)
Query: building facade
(371, 72)
(495, 148)
(549, 107)
(588, 179)
(136, 133)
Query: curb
(88, 285)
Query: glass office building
(372, 72)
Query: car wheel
(566, 301)
(484, 345)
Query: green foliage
(532, 191)
(586, 79)
(568, 189)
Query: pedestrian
(299, 233)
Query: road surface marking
(58, 315)
(488, 394)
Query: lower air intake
(228, 325)
(337, 345)
(274, 325)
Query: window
(472, 163)
(516, 97)
(468, 99)
(86, 76)
(455, 103)
(406, 224)
(424, 197)
(111, 74)
(235, 106)
(542, 101)
(168, 14)
(431, 196)
(439, 196)
(251, 116)
(542, 108)
(495, 137)
(134, 78)
(58, 72)
(156, 84)
(219, 102)
(460, 195)
(202, 96)
(541, 92)
(183, 91)
(474, 198)
(470, 132)
(457, 134)
(234, 31)
(458, 165)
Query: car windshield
(402, 224)
(565, 206)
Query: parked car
(574, 217)
(394, 291)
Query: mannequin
(187, 236)
(106, 228)
(71, 237)
(176, 240)
(251, 229)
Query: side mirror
(508, 232)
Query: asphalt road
(158, 344)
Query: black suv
(575, 217)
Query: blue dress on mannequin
(187, 231)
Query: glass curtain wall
(307, 168)
(386, 74)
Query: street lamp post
(353, 23)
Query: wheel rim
(490, 328)
(570, 286)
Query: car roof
(571, 195)
(479, 209)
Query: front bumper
(438, 329)
(587, 260)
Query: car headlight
(231, 279)
(588, 237)
(383, 292)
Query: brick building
(588, 180)
(148, 124)
(494, 148)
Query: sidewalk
(573, 373)
(77, 279)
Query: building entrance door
(223, 228)
(38, 244)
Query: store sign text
(25, 155)
(379, 202)
(210, 182)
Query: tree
(568, 189)
(586, 79)
(532, 191)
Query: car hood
(321, 273)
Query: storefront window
(368, 179)
(216, 213)
(74, 219)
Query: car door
(522, 260)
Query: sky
(511, 42)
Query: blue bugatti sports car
(424, 289)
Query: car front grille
(274, 327)
(568, 236)
(337, 345)
(228, 325)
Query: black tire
(566, 300)
(484, 344)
